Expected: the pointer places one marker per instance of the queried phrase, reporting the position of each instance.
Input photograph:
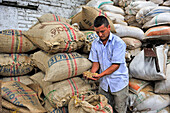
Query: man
(108, 54)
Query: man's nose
(100, 34)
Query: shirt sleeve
(93, 53)
(119, 52)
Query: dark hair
(100, 20)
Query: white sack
(142, 16)
(160, 19)
(157, 1)
(111, 8)
(166, 3)
(114, 15)
(76, 10)
(98, 3)
(147, 101)
(147, 13)
(145, 68)
(125, 3)
(131, 20)
(134, 7)
(163, 86)
(131, 31)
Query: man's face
(103, 32)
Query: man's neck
(105, 41)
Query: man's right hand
(88, 75)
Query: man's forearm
(110, 70)
(95, 67)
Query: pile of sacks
(48, 60)
(42, 71)
(144, 27)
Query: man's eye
(100, 32)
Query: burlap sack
(135, 85)
(148, 101)
(48, 17)
(91, 104)
(90, 36)
(61, 66)
(12, 108)
(38, 90)
(34, 24)
(38, 78)
(144, 68)
(23, 79)
(86, 18)
(158, 33)
(132, 43)
(19, 94)
(56, 37)
(13, 41)
(163, 86)
(51, 109)
(85, 55)
(60, 93)
(4, 110)
(15, 64)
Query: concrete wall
(23, 19)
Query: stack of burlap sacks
(50, 73)
(41, 70)
(15, 66)
(48, 60)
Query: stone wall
(23, 19)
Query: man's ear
(109, 27)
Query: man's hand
(88, 75)
(97, 77)
(94, 77)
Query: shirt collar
(110, 38)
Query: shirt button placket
(104, 57)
